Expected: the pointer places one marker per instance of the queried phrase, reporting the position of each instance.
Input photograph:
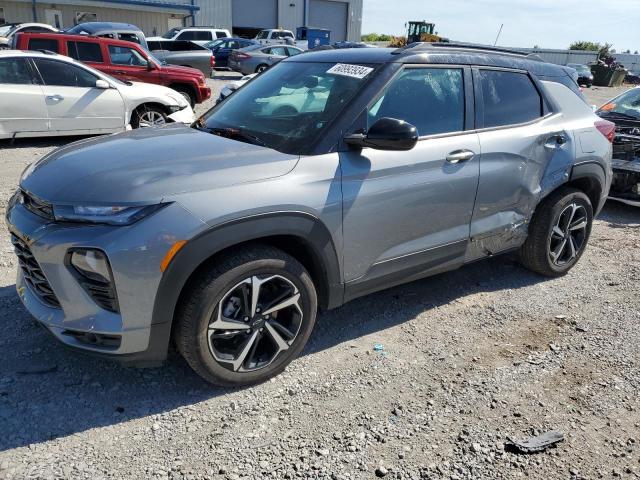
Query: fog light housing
(93, 272)
(92, 264)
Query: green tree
(604, 49)
(376, 37)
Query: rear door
(519, 139)
(73, 101)
(22, 105)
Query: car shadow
(41, 142)
(57, 392)
(620, 215)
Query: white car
(8, 31)
(199, 35)
(231, 87)
(47, 95)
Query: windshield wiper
(623, 116)
(235, 134)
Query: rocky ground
(467, 359)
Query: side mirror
(386, 134)
(103, 84)
(150, 65)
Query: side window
(64, 74)
(129, 37)
(508, 98)
(197, 35)
(220, 34)
(293, 51)
(85, 51)
(431, 99)
(126, 56)
(14, 71)
(50, 44)
(278, 51)
(232, 44)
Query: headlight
(111, 215)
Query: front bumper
(204, 93)
(185, 116)
(625, 186)
(134, 252)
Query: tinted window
(221, 34)
(431, 99)
(278, 51)
(50, 44)
(64, 74)
(85, 51)
(35, 29)
(14, 71)
(126, 56)
(197, 35)
(129, 37)
(568, 82)
(293, 51)
(509, 98)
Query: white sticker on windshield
(347, 70)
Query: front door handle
(55, 98)
(459, 156)
(555, 141)
(119, 72)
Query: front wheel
(558, 233)
(148, 116)
(247, 317)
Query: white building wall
(215, 13)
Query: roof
(93, 27)
(33, 53)
(436, 53)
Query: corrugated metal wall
(216, 13)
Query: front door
(129, 65)
(53, 18)
(22, 106)
(408, 213)
(74, 103)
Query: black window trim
(469, 126)
(34, 75)
(545, 107)
(76, 41)
(40, 79)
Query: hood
(178, 70)
(139, 90)
(144, 166)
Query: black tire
(261, 68)
(144, 111)
(199, 307)
(536, 254)
(188, 95)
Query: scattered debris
(560, 317)
(378, 347)
(38, 368)
(535, 444)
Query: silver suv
(333, 175)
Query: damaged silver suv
(330, 176)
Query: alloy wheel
(256, 320)
(151, 118)
(568, 234)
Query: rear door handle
(55, 98)
(555, 141)
(459, 156)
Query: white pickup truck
(276, 36)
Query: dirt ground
(468, 359)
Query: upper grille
(33, 274)
(37, 206)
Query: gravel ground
(469, 358)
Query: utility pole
(499, 32)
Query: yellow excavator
(421, 31)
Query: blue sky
(547, 23)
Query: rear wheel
(148, 116)
(558, 233)
(261, 68)
(247, 317)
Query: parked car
(231, 87)
(116, 31)
(226, 237)
(9, 30)
(585, 77)
(184, 53)
(48, 94)
(199, 35)
(126, 61)
(222, 48)
(633, 78)
(257, 58)
(345, 44)
(624, 111)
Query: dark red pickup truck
(126, 61)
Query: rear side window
(431, 99)
(64, 74)
(221, 34)
(129, 37)
(14, 71)
(568, 82)
(280, 51)
(508, 98)
(85, 51)
(50, 44)
(197, 35)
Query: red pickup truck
(126, 61)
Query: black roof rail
(417, 46)
(46, 52)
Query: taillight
(213, 61)
(606, 128)
(242, 56)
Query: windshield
(288, 107)
(214, 44)
(626, 105)
(263, 34)
(171, 33)
(4, 30)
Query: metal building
(154, 17)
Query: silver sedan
(257, 58)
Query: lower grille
(102, 293)
(33, 274)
